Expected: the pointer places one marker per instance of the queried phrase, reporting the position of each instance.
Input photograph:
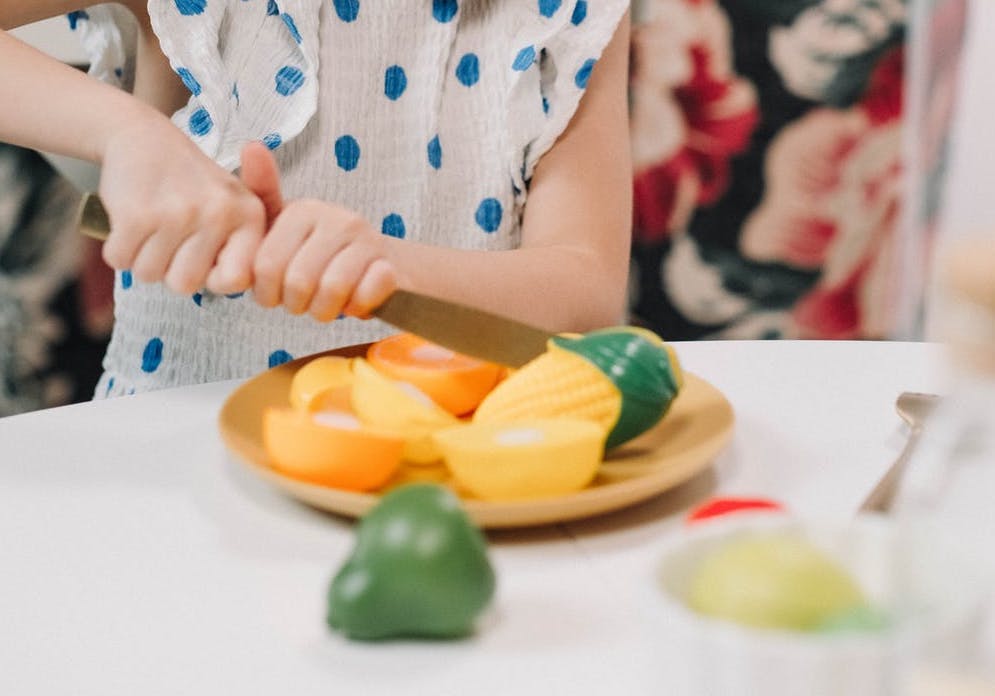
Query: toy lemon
(330, 449)
(401, 408)
(531, 458)
(454, 381)
(624, 379)
(322, 384)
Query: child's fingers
(340, 279)
(232, 271)
(191, 264)
(300, 282)
(260, 175)
(154, 257)
(274, 254)
(377, 284)
(124, 242)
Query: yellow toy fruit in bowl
(773, 580)
(401, 408)
(330, 449)
(322, 384)
(532, 458)
(454, 381)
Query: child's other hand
(175, 214)
(317, 257)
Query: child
(437, 145)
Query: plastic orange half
(330, 448)
(454, 381)
(322, 383)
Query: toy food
(717, 507)
(623, 379)
(773, 580)
(401, 408)
(419, 569)
(455, 382)
(330, 448)
(526, 459)
(323, 383)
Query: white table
(137, 558)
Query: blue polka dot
(435, 152)
(393, 226)
(74, 18)
(289, 21)
(152, 355)
(272, 9)
(110, 385)
(545, 105)
(580, 12)
(584, 74)
(198, 298)
(126, 280)
(189, 80)
(394, 82)
(272, 140)
(547, 8)
(235, 295)
(525, 58)
(119, 73)
(347, 10)
(489, 214)
(444, 10)
(347, 152)
(278, 357)
(200, 122)
(190, 7)
(468, 70)
(288, 80)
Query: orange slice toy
(454, 381)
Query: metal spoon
(914, 408)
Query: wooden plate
(694, 431)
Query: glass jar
(950, 480)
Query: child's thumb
(261, 176)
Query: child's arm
(172, 208)
(569, 274)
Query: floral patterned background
(767, 139)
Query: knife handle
(93, 219)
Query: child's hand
(175, 214)
(317, 257)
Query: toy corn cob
(622, 378)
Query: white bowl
(924, 580)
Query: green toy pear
(419, 570)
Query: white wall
(54, 37)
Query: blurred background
(770, 150)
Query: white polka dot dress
(426, 116)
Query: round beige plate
(694, 431)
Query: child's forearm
(53, 107)
(556, 287)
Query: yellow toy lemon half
(401, 408)
(454, 381)
(557, 384)
(532, 458)
(321, 384)
(330, 449)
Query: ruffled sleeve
(251, 67)
(109, 36)
(554, 51)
